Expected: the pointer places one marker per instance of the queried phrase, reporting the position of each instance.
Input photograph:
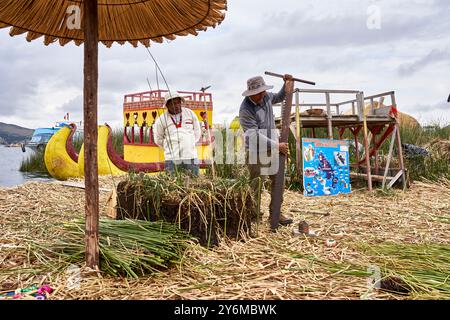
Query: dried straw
(268, 266)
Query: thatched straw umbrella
(107, 21)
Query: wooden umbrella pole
(91, 131)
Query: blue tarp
(46, 130)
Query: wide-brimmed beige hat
(255, 85)
(172, 95)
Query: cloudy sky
(369, 45)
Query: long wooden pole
(91, 131)
(298, 138)
(366, 140)
(374, 140)
(285, 127)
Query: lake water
(10, 159)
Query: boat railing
(155, 99)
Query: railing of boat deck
(159, 95)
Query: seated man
(176, 131)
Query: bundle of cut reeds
(422, 270)
(127, 247)
(205, 207)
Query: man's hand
(283, 147)
(287, 77)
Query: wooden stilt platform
(377, 123)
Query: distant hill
(10, 133)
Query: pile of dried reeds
(268, 266)
(205, 207)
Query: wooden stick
(79, 185)
(395, 178)
(366, 141)
(310, 212)
(355, 133)
(91, 132)
(298, 136)
(373, 177)
(374, 136)
(400, 156)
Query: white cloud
(324, 41)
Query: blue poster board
(326, 169)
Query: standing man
(177, 131)
(261, 138)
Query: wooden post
(400, 156)
(285, 123)
(399, 144)
(359, 106)
(298, 135)
(207, 128)
(366, 140)
(91, 131)
(355, 133)
(285, 127)
(330, 127)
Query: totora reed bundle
(127, 247)
(421, 268)
(205, 207)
